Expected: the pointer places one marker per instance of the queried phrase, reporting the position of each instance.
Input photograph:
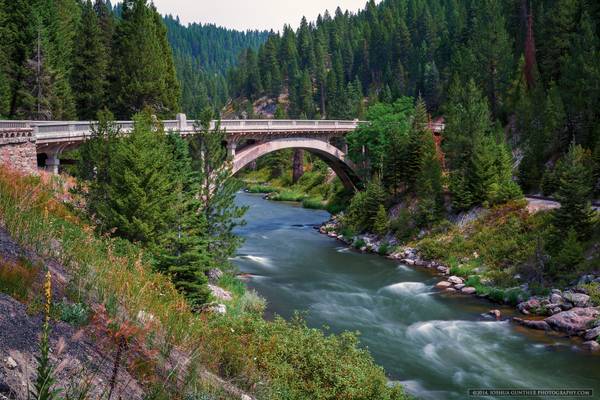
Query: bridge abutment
(18, 149)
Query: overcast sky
(252, 14)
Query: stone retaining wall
(18, 149)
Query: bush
(593, 290)
(359, 243)
(76, 314)
(252, 303)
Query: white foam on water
(403, 267)
(342, 249)
(264, 261)
(406, 288)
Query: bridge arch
(334, 157)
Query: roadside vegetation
(117, 282)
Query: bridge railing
(47, 130)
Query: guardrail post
(181, 122)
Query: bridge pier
(18, 149)
(231, 148)
(53, 163)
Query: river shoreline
(568, 313)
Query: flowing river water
(437, 345)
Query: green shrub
(252, 303)
(76, 314)
(359, 243)
(384, 249)
(593, 290)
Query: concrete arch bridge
(23, 143)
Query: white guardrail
(47, 130)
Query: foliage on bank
(274, 360)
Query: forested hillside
(203, 54)
(70, 59)
(535, 62)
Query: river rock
(468, 290)
(592, 333)
(455, 280)
(573, 321)
(556, 298)
(460, 286)
(533, 324)
(443, 285)
(529, 306)
(214, 275)
(591, 345)
(577, 299)
(408, 261)
(442, 269)
(495, 313)
(219, 293)
(450, 290)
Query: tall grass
(260, 356)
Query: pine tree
(90, 66)
(185, 251)
(574, 193)
(141, 195)
(35, 93)
(217, 189)
(492, 50)
(380, 224)
(143, 71)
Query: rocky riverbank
(569, 312)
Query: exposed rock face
(573, 321)
(72, 351)
(219, 293)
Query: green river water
(437, 345)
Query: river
(437, 345)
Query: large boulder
(573, 321)
(577, 299)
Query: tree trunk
(298, 165)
